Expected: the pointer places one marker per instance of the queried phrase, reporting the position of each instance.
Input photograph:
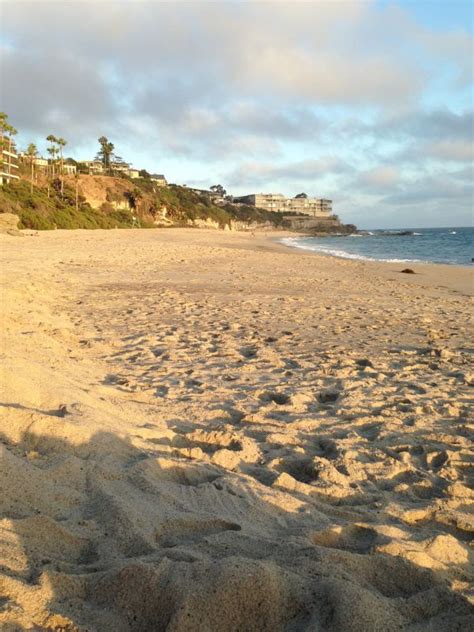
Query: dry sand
(209, 431)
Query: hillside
(119, 202)
(114, 202)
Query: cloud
(439, 188)
(303, 171)
(453, 150)
(61, 92)
(321, 96)
(379, 177)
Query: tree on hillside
(32, 152)
(301, 195)
(218, 188)
(61, 143)
(76, 181)
(134, 198)
(52, 151)
(105, 152)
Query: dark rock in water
(408, 271)
(398, 233)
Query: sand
(205, 430)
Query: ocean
(453, 246)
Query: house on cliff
(302, 204)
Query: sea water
(435, 245)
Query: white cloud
(305, 95)
(380, 177)
(454, 150)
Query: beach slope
(206, 430)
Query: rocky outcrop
(9, 224)
(98, 190)
(318, 225)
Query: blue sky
(439, 14)
(369, 103)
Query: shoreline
(355, 257)
(197, 423)
(455, 276)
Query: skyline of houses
(277, 202)
(68, 166)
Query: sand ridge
(207, 431)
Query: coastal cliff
(92, 201)
(117, 202)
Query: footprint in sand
(356, 538)
(328, 397)
(273, 396)
(182, 530)
(248, 351)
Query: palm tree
(11, 131)
(62, 143)
(32, 152)
(52, 151)
(105, 152)
(76, 178)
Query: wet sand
(205, 430)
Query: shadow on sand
(102, 535)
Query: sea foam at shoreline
(454, 246)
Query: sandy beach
(206, 430)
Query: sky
(368, 103)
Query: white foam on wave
(297, 242)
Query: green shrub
(39, 211)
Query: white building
(316, 207)
(159, 179)
(8, 161)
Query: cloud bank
(357, 101)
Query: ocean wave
(297, 242)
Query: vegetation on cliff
(125, 204)
(39, 211)
(183, 206)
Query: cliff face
(99, 190)
(112, 202)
